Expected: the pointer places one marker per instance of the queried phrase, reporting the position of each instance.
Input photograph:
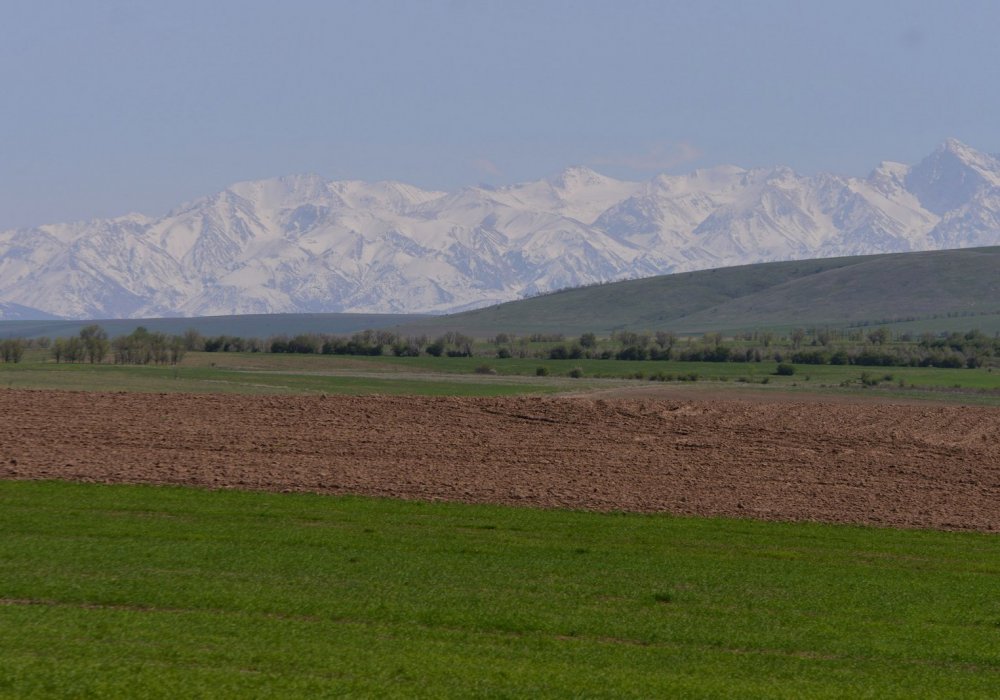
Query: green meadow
(127, 591)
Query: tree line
(871, 347)
(817, 346)
(140, 347)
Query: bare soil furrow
(867, 463)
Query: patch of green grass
(157, 592)
(618, 369)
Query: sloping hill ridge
(831, 291)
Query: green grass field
(246, 377)
(457, 376)
(167, 592)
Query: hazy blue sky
(115, 106)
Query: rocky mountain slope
(305, 244)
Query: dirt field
(900, 465)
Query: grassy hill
(924, 290)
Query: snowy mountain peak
(952, 175)
(890, 169)
(960, 149)
(285, 191)
(301, 243)
(578, 176)
(889, 178)
(986, 164)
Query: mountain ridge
(303, 244)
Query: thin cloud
(659, 156)
(487, 167)
(912, 38)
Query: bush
(406, 350)
(877, 358)
(485, 369)
(869, 379)
(785, 370)
(542, 372)
(561, 352)
(576, 372)
(707, 353)
(811, 357)
(840, 357)
(632, 352)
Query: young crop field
(174, 592)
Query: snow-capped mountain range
(305, 244)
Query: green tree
(95, 343)
(797, 336)
(12, 350)
(666, 339)
(193, 340)
(879, 336)
(58, 349)
(73, 350)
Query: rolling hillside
(928, 290)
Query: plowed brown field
(913, 466)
